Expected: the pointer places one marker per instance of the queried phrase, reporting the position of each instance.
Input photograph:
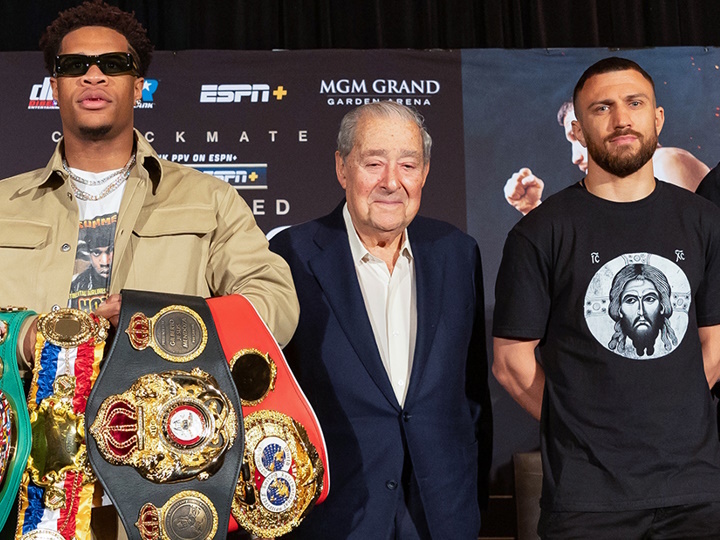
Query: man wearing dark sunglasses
(175, 230)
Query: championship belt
(57, 487)
(15, 435)
(285, 469)
(165, 421)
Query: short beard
(95, 133)
(643, 340)
(623, 164)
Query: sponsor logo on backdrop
(240, 93)
(147, 101)
(238, 175)
(41, 95)
(413, 92)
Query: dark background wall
(368, 24)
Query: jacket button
(391, 484)
(69, 195)
(406, 416)
(65, 247)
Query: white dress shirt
(391, 305)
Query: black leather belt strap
(158, 480)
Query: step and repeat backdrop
(266, 122)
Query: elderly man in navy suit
(390, 347)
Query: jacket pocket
(170, 250)
(22, 256)
(23, 234)
(195, 220)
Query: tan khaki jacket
(178, 231)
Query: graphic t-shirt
(96, 242)
(616, 292)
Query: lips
(94, 99)
(624, 137)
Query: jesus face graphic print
(632, 308)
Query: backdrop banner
(266, 122)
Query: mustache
(622, 133)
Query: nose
(621, 117)
(94, 75)
(391, 178)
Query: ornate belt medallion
(254, 375)
(169, 426)
(176, 333)
(71, 327)
(188, 515)
(284, 477)
(58, 444)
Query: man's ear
(139, 82)
(53, 85)
(340, 170)
(659, 119)
(578, 132)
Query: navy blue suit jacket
(446, 421)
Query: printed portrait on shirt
(637, 306)
(93, 263)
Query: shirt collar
(359, 252)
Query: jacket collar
(53, 175)
(334, 269)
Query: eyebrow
(629, 97)
(383, 153)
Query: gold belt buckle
(176, 333)
(169, 426)
(58, 443)
(186, 515)
(285, 475)
(70, 327)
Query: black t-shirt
(616, 292)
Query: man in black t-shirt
(615, 280)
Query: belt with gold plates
(165, 421)
(15, 434)
(57, 486)
(285, 470)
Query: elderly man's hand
(110, 309)
(523, 190)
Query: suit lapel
(334, 269)
(429, 285)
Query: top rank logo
(234, 93)
(41, 96)
(148, 89)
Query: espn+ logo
(234, 93)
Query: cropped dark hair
(608, 65)
(97, 13)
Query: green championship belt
(15, 434)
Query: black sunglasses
(114, 63)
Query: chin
(95, 132)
